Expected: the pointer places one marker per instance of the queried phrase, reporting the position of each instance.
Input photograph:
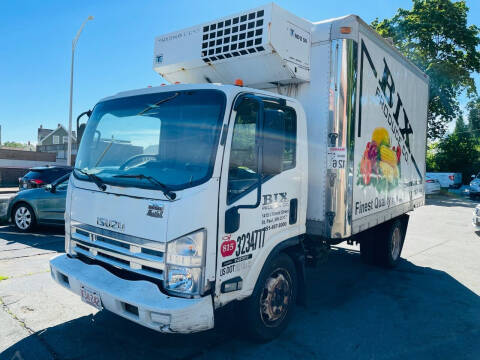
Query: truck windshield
(169, 136)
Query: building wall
(16, 163)
(7, 154)
(60, 132)
(60, 150)
(9, 176)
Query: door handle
(292, 219)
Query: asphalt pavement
(426, 308)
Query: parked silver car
(475, 186)
(44, 205)
(432, 186)
(476, 218)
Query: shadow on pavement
(42, 237)
(449, 201)
(354, 311)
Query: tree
(431, 160)
(435, 36)
(13, 144)
(460, 126)
(473, 108)
(458, 152)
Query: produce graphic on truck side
(380, 165)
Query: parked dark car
(39, 206)
(41, 176)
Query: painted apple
(228, 247)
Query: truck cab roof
(231, 90)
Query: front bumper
(474, 190)
(476, 222)
(155, 310)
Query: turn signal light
(345, 30)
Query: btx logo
(273, 198)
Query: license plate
(91, 297)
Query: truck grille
(142, 256)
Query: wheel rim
(276, 298)
(23, 218)
(396, 243)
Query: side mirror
(273, 142)
(80, 131)
(51, 188)
(473, 176)
(81, 127)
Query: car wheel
(268, 311)
(23, 217)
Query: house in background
(56, 141)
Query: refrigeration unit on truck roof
(263, 45)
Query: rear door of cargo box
(390, 134)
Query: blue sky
(115, 50)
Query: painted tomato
(228, 247)
(366, 170)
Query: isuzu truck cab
(189, 196)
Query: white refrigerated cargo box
(365, 103)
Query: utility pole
(74, 43)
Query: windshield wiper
(99, 182)
(166, 191)
(158, 103)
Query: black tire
(391, 244)
(264, 316)
(23, 211)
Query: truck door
(258, 205)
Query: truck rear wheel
(383, 245)
(391, 245)
(268, 311)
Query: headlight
(477, 211)
(185, 263)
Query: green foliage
(460, 126)
(13, 144)
(435, 36)
(458, 152)
(473, 108)
(431, 163)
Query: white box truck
(190, 196)
(447, 179)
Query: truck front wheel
(268, 311)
